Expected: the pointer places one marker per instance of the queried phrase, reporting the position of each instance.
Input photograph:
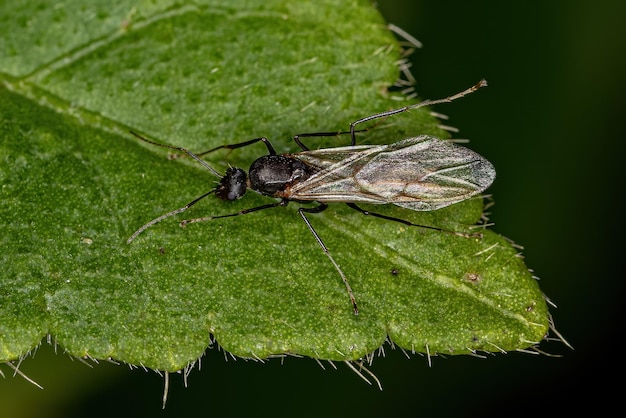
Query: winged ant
(423, 173)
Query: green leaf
(76, 185)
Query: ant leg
(383, 115)
(405, 222)
(196, 156)
(322, 207)
(481, 83)
(266, 141)
(283, 202)
(296, 138)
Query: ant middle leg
(352, 133)
(296, 138)
(322, 207)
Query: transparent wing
(422, 173)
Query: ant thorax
(272, 174)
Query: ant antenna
(188, 205)
(181, 149)
(167, 215)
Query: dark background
(551, 121)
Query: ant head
(233, 185)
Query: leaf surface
(76, 185)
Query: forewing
(422, 173)
(336, 182)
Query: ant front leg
(283, 202)
(266, 141)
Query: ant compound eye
(233, 184)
